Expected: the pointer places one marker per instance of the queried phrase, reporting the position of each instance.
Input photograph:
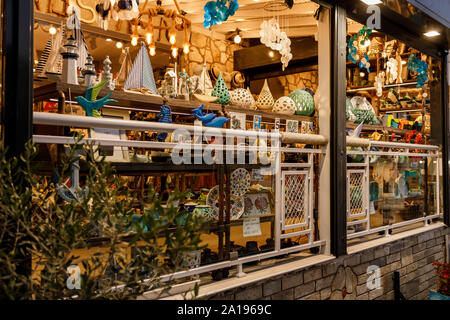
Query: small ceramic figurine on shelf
(165, 116)
(70, 56)
(90, 75)
(89, 102)
(168, 89)
(107, 75)
(209, 120)
(184, 87)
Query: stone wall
(302, 80)
(345, 278)
(218, 53)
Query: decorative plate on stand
(237, 204)
(240, 182)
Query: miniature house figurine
(90, 76)
(107, 75)
(70, 56)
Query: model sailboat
(50, 61)
(205, 86)
(125, 69)
(141, 76)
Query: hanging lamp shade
(284, 105)
(221, 91)
(141, 74)
(265, 100)
(304, 102)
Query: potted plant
(443, 288)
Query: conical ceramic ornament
(241, 98)
(284, 105)
(265, 100)
(221, 91)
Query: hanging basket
(265, 100)
(284, 105)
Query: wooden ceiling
(297, 22)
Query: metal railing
(287, 177)
(358, 185)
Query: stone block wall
(218, 53)
(345, 278)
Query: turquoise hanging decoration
(420, 67)
(352, 46)
(89, 102)
(218, 11)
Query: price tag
(252, 227)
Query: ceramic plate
(240, 182)
(237, 204)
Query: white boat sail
(205, 82)
(125, 68)
(50, 61)
(141, 74)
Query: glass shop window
(215, 82)
(393, 100)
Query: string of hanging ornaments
(272, 36)
(174, 20)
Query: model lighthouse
(90, 76)
(70, 56)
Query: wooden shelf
(404, 84)
(266, 115)
(151, 103)
(369, 127)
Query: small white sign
(252, 227)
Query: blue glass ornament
(217, 12)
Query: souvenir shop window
(198, 87)
(393, 102)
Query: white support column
(324, 105)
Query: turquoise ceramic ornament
(304, 103)
(89, 102)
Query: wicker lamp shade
(284, 105)
(221, 91)
(265, 100)
(242, 98)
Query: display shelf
(125, 100)
(404, 84)
(401, 110)
(136, 168)
(369, 127)
(267, 116)
(150, 103)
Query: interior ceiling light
(109, 39)
(372, 2)
(432, 33)
(52, 30)
(119, 45)
(237, 38)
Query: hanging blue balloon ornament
(218, 11)
(420, 67)
(352, 46)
